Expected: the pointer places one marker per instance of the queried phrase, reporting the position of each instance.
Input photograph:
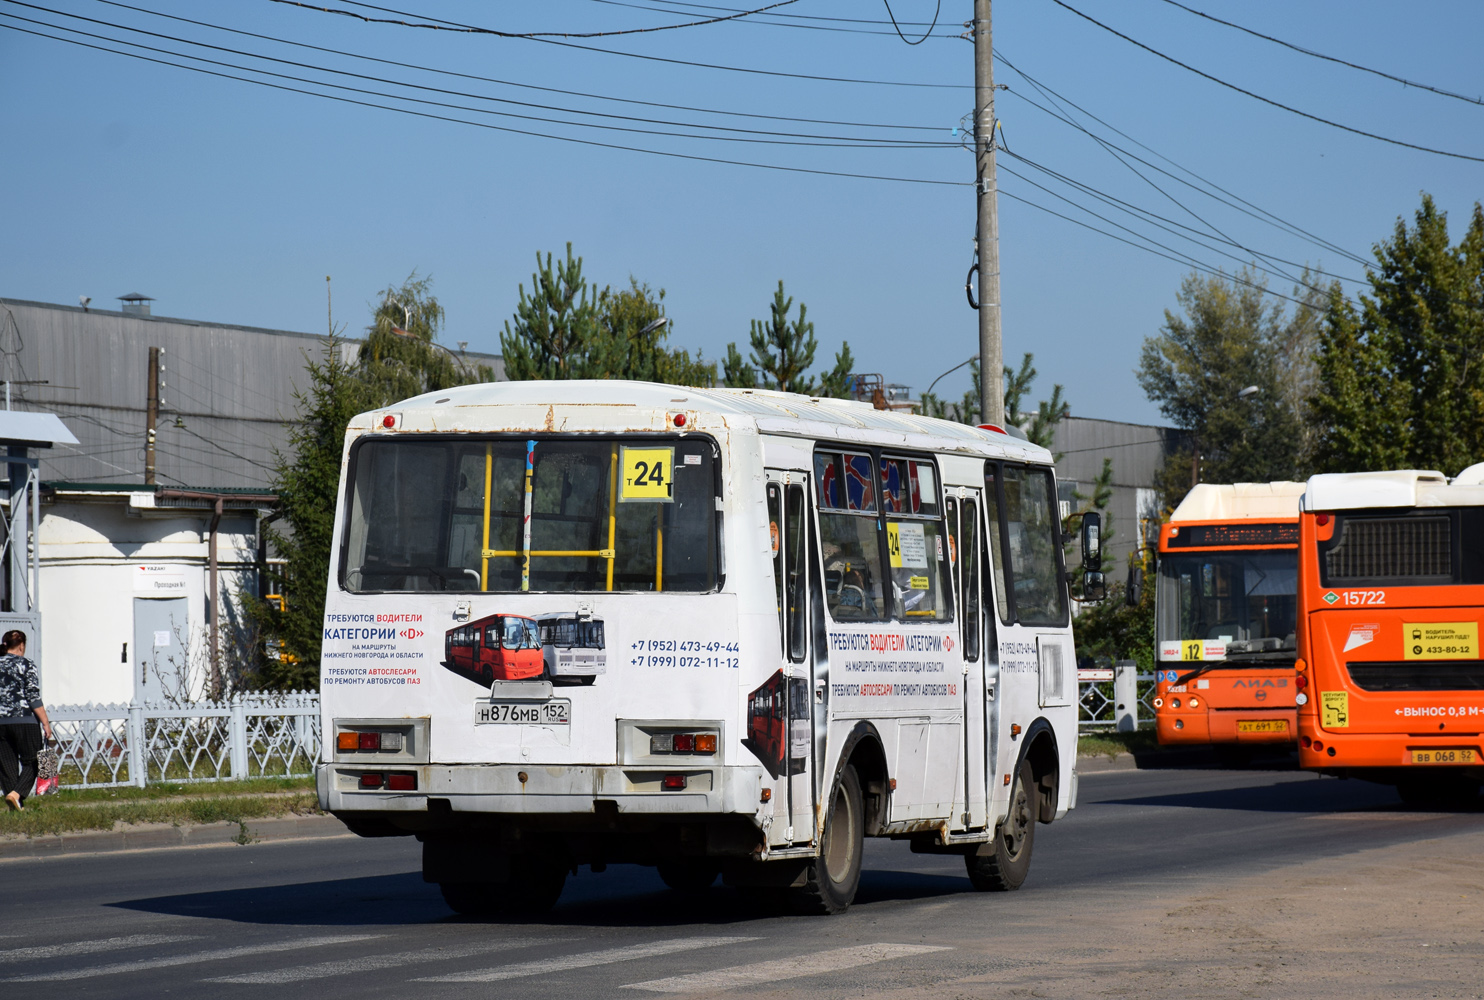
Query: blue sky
(231, 201)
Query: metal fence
(1097, 706)
(251, 736)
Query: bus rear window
(605, 514)
(1426, 547)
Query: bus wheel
(1002, 864)
(688, 875)
(833, 877)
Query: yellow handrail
(507, 553)
(484, 565)
(612, 512)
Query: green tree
(782, 352)
(555, 326)
(566, 328)
(400, 357)
(1227, 338)
(306, 478)
(1400, 381)
(630, 341)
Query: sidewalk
(157, 835)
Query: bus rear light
(1301, 699)
(372, 779)
(1300, 681)
(767, 795)
(1318, 744)
(680, 420)
(1195, 702)
(404, 782)
(347, 742)
(370, 741)
(1321, 519)
(673, 783)
(682, 743)
(1175, 703)
(1306, 742)
(1159, 703)
(391, 741)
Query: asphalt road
(348, 917)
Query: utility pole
(991, 352)
(151, 415)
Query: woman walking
(22, 719)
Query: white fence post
(237, 734)
(1126, 695)
(137, 756)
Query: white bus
(818, 622)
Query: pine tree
(555, 327)
(1400, 383)
(782, 353)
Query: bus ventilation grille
(1373, 548)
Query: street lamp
(653, 325)
(950, 372)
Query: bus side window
(775, 535)
(795, 551)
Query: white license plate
(557, 712)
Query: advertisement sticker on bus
(1440, 641)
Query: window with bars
(1390, 549)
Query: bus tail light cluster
(673, 783)
(369, 742)
(394, 781)
(682, 743)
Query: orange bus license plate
(1263, 726)
(1445, 756)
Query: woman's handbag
(47, 763)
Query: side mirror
(1133, 594)
(1092, 540)
(1094, 589)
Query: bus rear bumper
(545, 790)
(1392, 753)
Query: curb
(1101, 763)
(153, 836)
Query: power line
(499, 128)
(1266, 100)
(1237, 202)
(783, 137)
(789, 15)
(467, 29)
(505, 83)
(717, 66)
(925, 35)
(789, 20)
(1320, 55)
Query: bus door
(1035, 654)
(785, 724)
(966, 539)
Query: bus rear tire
(832, 879)
(1002, 864)
(688, 875)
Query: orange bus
(1391, 593)
(1226, 612)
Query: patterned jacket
(20, 689)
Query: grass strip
(53, 814)
(182, 789)
(1112, 744)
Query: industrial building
(131, 565)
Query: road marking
(215, 955)
(786, 968)
(88, 947)
(585, 960)
(370, 963)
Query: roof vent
(136, 304)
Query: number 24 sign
(646, 474)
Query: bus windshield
(1247, 599)
(552, 514)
